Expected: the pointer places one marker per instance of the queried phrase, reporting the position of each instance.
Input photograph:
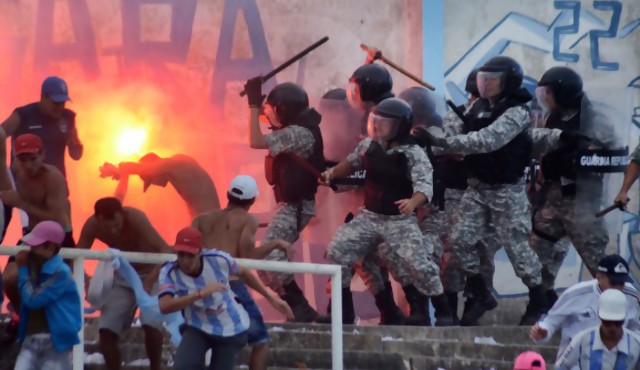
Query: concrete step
(514, 335)
(434, 348)
(321, 359)
(434, 363)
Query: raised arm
(76, 149)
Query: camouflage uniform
(452, 277)
(404, 246)
(284, 225)
(559, 217)
(505, 205)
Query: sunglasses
(612, 323)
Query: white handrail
(80, 255)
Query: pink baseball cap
(45, 231)
(530, 361)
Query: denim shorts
(258, 333)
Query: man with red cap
(197, 284)
(41, 192)
(50, 309)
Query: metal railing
(80, 255)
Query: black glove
(420, 135)
(572, 137)
(253, 88)
(425, 137)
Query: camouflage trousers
(559, 217)
(373, 272)
(400, 245)
(505, 209)
(284, 225)
(438, 226)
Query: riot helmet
(390, 120)
(472, 85)
(498, 77)
(559, 88)
(423, 106)
(285, 103)
(369, 85)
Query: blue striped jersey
(217, 314)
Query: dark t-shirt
(53, 132)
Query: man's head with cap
(243, 191)
(188, 246)
(529, 361)
(613, 272)
(54, 93)
(612, 310)
(28, 149)
(45, 239)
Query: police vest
(562, 161)
(505, 165)
(291, 181)
(54, 132)
(386, 180)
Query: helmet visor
(353, 95)
(542, 97)
(490, 84)
(272, 117)
(381, 128)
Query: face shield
(353, 96)
(490, 84)
(272, 117)
(542, 97)
(381, 128)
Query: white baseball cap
(612, 305)
(244, 187)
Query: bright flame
(131, 141)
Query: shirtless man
(41, 193)
(190, 180)
(128, 230)
(232, 230)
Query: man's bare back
(191, 181)
(135, 235)
(193, 184)
(233, 230)
(222, 229)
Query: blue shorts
(258, 333)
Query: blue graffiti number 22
(594, 35)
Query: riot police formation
(441, 194)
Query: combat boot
(444, 315)
(302, 311)
(348, 311)
(390, 313)
(418, 305)
(452, 298)
(537, 306)
(482, 301)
